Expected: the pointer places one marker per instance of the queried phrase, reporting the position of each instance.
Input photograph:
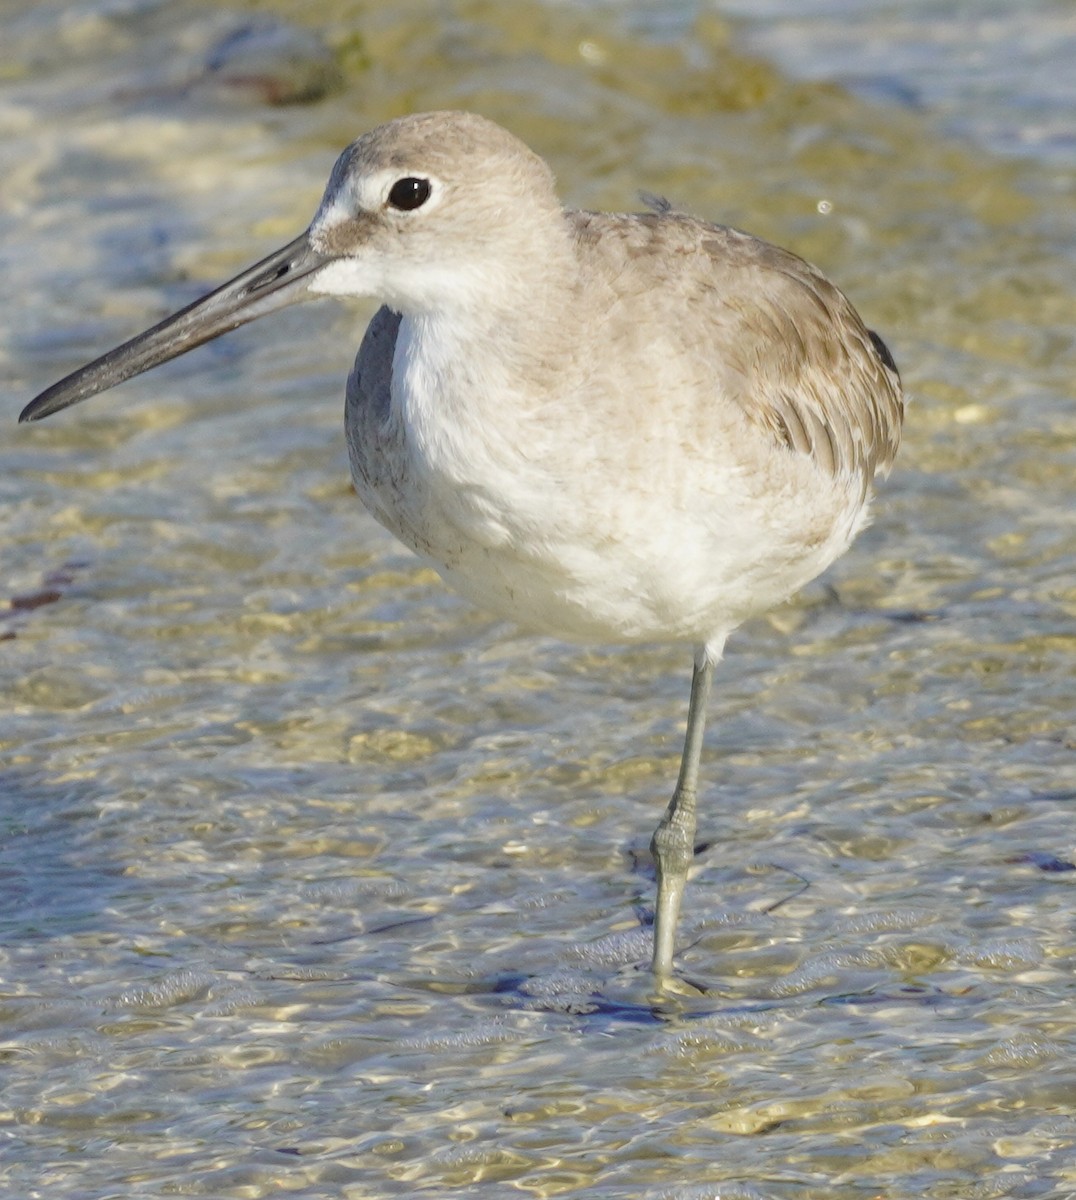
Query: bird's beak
(277, 281)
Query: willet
(605, 426)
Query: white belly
(544, 517)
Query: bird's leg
(673, 843)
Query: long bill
(277, 281)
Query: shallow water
(316, 880)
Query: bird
(609, 427)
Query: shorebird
(606, 426)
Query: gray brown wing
(814, 376)
(795, 357)
(832, 394)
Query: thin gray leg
(673, 843)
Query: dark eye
(407, 194)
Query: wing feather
(821, 382)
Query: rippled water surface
(315, 880)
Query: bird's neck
(504, 342)
(470, 386)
